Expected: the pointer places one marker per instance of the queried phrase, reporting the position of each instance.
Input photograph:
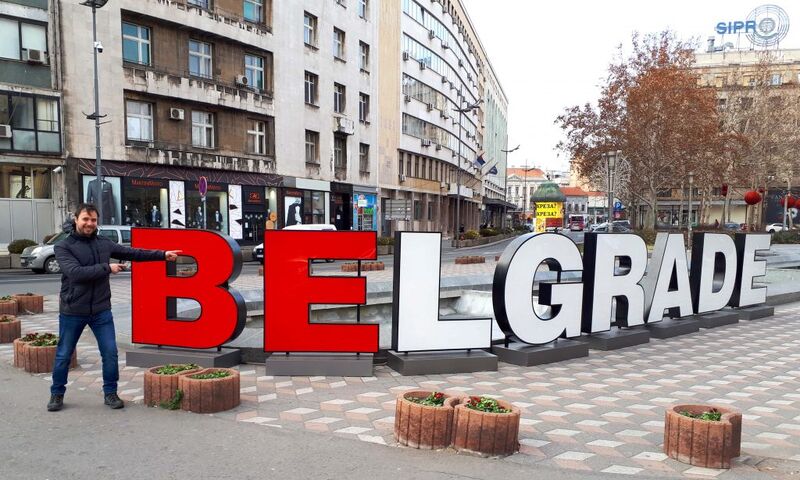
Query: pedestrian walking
(85, 299)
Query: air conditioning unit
(421, 65)
(444, 79)
(426, 142)
(438, 147)
(445, 45)
(242, 80)
(430, 106)
(402, 178)
(407, 98)
(33, 56)
(460, 62)
(176, 113)
(431, 34)
(5, 131)
(443, 115)
(405, 56)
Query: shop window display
(107, 196)
(146, 203)
(216, 215)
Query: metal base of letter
(616, 338)
(755, 313)
(717, 319)
(150, 356)
(525, 355)
(319, 364)
(669, 327)
(429, 363)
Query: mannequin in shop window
(217, 220)
(293, 216)
(155, 217)
(103, 196)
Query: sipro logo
(765, 26)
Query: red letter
(289, 291)
(223, 312)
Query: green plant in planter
(17, 246)
(173, 403)
(211, 375)
(6, 318)
(712, 415)
(176, 368)
(435, 399)
(385, 241)
(41, 339)
(486, 404)
(6, 298)
(472, 235)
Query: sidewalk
(603, 413)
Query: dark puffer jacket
(85, 289)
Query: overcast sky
(554, 54)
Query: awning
(496, 202)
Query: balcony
(212, 91)
(164, 153)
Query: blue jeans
(70, 328)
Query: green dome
(548, 192)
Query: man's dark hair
(88, 207)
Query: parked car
(775, 227)
(258, 251)
(42, 258)
(731, 227)
(615, 228)
(576, 226)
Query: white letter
(746, 247)
(415, 317)
(713, 271)
(603, 285)
(513, 288)
(667, 264)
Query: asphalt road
(21, 281)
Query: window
(364, 56)
(140, 121)
(35, 123)
(776, 79)
(200, 59)
(257, 137)
(339, 151)
(110, 234)
(135, 43)
(363, 107)
(254, 71)
(312, 147)
(338, 43)
(339, 97)
(430, 211)
(310, 29)
(417, 210)
(311, 88)
(363, 157)
(254, 10)
(18, 37)
(362, 9)
(204, 4)
(203, 129)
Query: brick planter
(8, 307)
(485, 433)
(29, 303)
(422, 426)
(260, 271)
(470, 259)
(365, 267)
(18, 355)
(212, 395)
(42, 359)
(702, 443)
(161, 388)
(9, 330)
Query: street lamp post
(96, 48)
(691, 187)
(461, 112)
(505, 185)
(611, 159)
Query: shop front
(305, 202)
(146, 202)
(365, 209)
(259, 213)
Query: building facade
(437, 95)
(272, 102)
(521, 184)
(31, 125)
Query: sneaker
(56, 403)
(113, 401)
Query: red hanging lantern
(761, 190)
(752, 197)
(789, 200)
(724, 190)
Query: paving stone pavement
(601, 413)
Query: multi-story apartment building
(31, 140)
(436, 89)
(271, 101)
(521, 184)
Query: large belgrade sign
(617, 284)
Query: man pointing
(86, 299)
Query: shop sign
(722, 274)
(146, 182)
(549, 210)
